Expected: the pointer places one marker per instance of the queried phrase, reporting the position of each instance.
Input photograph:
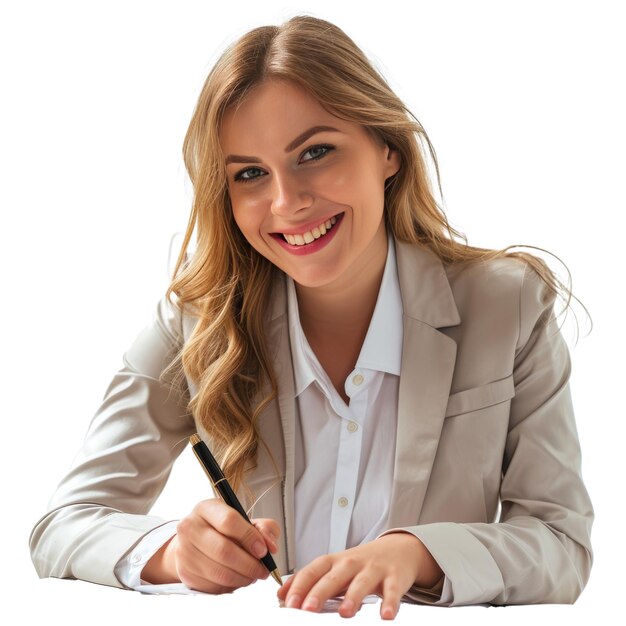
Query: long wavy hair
(225, 283)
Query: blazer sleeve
(540, 549)
(98, 512)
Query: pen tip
(276, 577)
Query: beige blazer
(487, 461)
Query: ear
(393, 161)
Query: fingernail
(260, 549)
(311, 604)
(293, 601)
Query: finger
(270, 531)
(304, 580)
(231, 555)
(392, 596)
(230, 523)
(332, 583)
(363, 584)
(198, 571)
(269, 525)
(216, 547)
(282, 592)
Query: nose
(288, 195)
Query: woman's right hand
(214, 550)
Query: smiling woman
(398, 399)
(293, 192)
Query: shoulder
(502, 277)
(175, 319)
(487, 284)
(506, 291)
(172, 321)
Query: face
(311, 202)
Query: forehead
(275, 111)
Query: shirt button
(342, 501)
(353, 427)
(357, 379)
(136, 558)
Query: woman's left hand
(387, 566)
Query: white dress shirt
(344, 454)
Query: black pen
(221, 485)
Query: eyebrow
(236, 158)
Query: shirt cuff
(128, 569)
(439, 593)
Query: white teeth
(311, 235)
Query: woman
(375, 391)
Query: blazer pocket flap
(480, 397)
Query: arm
(99, 510)
(133, 570)
(540, 550)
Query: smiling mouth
(304, 239)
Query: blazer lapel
(283, 368)
(428, 359)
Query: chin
(313, 279)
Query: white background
(524, 104)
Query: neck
(345, 307)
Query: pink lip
(314, 246)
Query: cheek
(249, 232)
(334, 181)
(355, 183)
(248, 218)
(335, 185)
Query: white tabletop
(54, 601)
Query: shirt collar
(382, 347)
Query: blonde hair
(226, 283)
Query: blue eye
(325, 147)
(239, 177)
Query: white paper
(179, 588)
(330, 606)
